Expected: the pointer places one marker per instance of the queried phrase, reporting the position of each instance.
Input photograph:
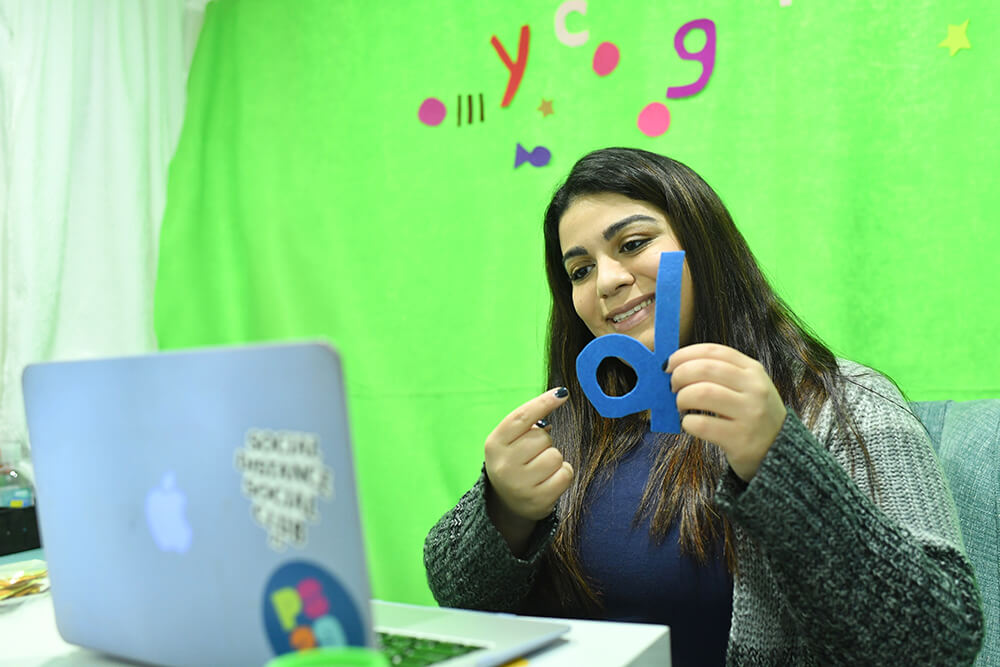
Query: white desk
(28, 638)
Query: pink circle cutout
(654, 119)
(605, 58)
(431, 111)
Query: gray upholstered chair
(966, 436)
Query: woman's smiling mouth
(633, 316)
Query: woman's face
(611, 249)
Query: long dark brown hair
(734, 305)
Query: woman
(801, 518)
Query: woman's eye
(633, 245)
(579, 274)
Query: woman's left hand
(746, 410)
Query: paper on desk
(20, 580)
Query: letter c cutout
(562, 34)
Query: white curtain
(92, 99)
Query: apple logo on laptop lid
(165, 516)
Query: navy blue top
(641, 581)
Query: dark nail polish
(562, 392)
(542, 423)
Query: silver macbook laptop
(200, 508)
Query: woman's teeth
(632, 311)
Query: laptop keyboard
(416, 652)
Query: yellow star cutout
(957, 38)
(545, 107)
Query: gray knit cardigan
(827, 575)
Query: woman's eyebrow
(608, 234)
(575, 251)
(624, 222)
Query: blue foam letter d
(652, 388)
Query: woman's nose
(612, 275)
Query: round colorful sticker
(306, 607)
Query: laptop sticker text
(283, 476)
(306, 607)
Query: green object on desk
(334, 657)
(15, 489)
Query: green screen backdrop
(347, 171)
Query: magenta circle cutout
(431, 111)
(605, 58)
(654, 119)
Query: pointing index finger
(520, 421)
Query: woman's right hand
(526, 473)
